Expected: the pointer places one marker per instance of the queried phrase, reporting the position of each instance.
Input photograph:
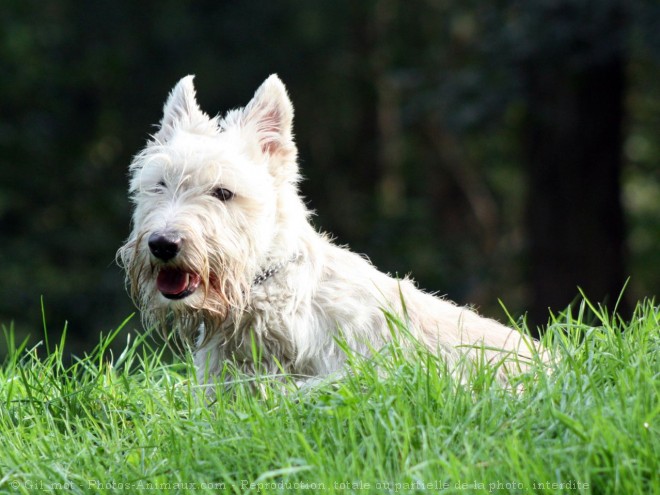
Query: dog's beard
(217, 303)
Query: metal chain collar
(272, 270)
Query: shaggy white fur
(222, 252)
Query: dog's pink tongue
(172, 281)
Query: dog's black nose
(165, 245)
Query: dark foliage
(421, 129)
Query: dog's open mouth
(174, 283)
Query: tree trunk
(574, 153)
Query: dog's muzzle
(172, 282)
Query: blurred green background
(495, 150)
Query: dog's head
(208, 195)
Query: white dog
(222, 251)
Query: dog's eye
(160, 187)
(222, 194)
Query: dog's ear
(269, 116)
(181, 110)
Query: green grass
(133, 423)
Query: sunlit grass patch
(399, 422)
